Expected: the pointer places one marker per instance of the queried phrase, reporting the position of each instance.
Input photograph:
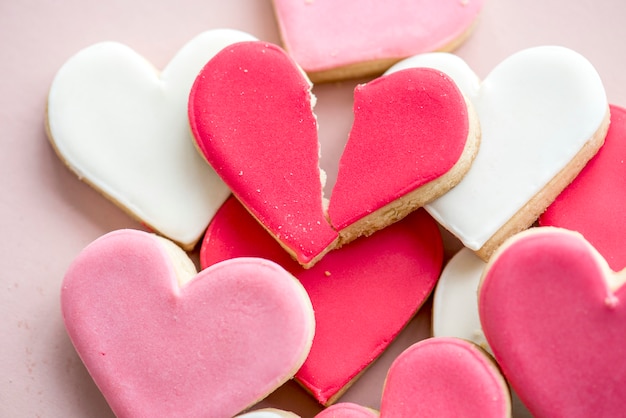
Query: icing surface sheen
(250, 112)
(261, 138)
(410, 128)
(444, 377)
(555, 325)
(455, 305)
(213, 347)
(123, 127)
(593, 204)
(537, 109)
(315, 32)
(350, 288)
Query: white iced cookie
(455, 300)
(269, 413)
(122, 127)
(543, 113)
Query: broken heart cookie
(250, 111)
(553, 313)
(363, 293)
(543, 114)
(160, 340)
(335, 40)
(121, 126)
(593, 204)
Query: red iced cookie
(594, 203)
(250, 111)
(363, 294)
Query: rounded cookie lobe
(552, 312)
(413, 139)
(211, 347)
(445, 377)
(250, 111)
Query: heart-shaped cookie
(250, 110)
(445, 377)
(553, 314)
(594, 203)
(159, 340)
(333, 40)
(363, 293)
(543, 114)
(122, 127)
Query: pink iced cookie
(347, 410)
(552, 312)
(363, 293)
(445, 377)
(250, 111)
(159, 340)
(334, 40)
(593, 204)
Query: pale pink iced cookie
(250, 110)
(121, 126)
(553, 314)
(445, 377)
(594, 203)
(335, 40)
(363, 293)
(347, 410)
(160, 340)
(543, 114)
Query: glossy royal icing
(552, 312)
(350, 289)
(159, 340)
(122, 127)
(537, 110)
(250, 112)
(316, 32)
(593, 204)
(455, 305)
(445, 377)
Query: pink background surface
(49, 215)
